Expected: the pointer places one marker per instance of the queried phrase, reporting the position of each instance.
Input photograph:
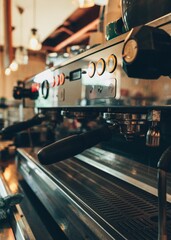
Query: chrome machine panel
(96, 78)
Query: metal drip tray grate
(126, 208)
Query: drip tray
(123, 210)
(128, 209)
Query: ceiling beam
(76, 35)
(8, 51)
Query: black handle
(73, 145)
(164, 161)
(163, 167)
(10, 130)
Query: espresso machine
(104, 173)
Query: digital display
(75, 75)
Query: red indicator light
(35, 87)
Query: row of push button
(101, 65)
(58, 80)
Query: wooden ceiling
(75, 30)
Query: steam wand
(75, 144)
(163, 166)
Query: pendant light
(86, 3)
(13, 65)
(21, 55)
(91, 3)
(34, 42)
(101, 2)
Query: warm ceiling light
(34, 43)
(21, 55)
(91, 3)
(86, 3)
(101, 2)
(7, 71)
(14, 66)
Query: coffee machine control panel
(123, 72)
(116, 74)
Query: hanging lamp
(21, 54)
(91, 3)
(86, 3)
(13, 65)
(34, 42)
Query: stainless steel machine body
(108, 191)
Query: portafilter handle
(10, 130)
(73, 145)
